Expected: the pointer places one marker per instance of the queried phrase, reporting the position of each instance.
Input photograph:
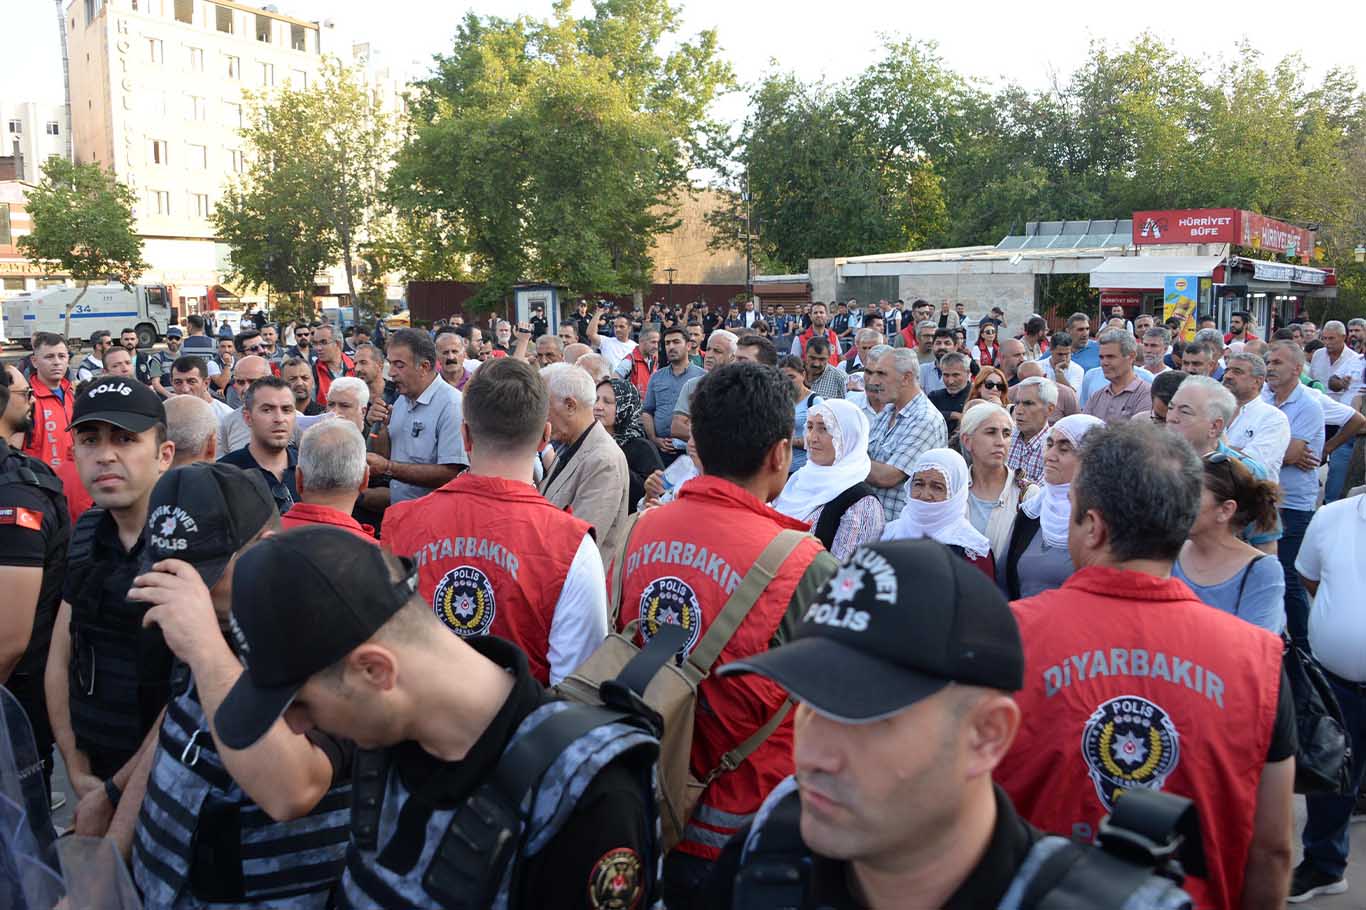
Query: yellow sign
(1179, 299)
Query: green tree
(556, 149)
(317, 160)
(82, 225)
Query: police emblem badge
(1129, 742)
(615, 882)
(464, 601)
(670, 600)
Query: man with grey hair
(1155, 342)
(1125, 393)
(1257, 429)
(1214, 339)
(955, 372)
(1035, 399)
(589, 475)
(1336, 365)
(1200, 411)
(1356, 335)
(907, 426)
(549, 349)
(348, 398)
(1200, 357)
(924, 342)
(193, 427)
(864, 341)
(595, 365)
(1067, 403)
(330, 476)
(868, 402)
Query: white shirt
(221, 409)
(613, 351)
(1331, 555)
(1074, 373)
(1349, 365)
(579, 624)
(1261, 432)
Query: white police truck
(145, 308)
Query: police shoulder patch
(670, 600)
(615, 881)
(464, 601)
(1129, 742)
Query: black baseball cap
(896, 624)
(204, 513)
(301, 601)
(125, 403)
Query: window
(267, 74)
(14, 284)
(159, 151)
(158, 202)
(6, 236)
(235, 160)
(54, 128)
(232, 114)
(299, 78)
(199, 156)
(156, 52)
(16, 126)
(184, 11)
(262, 28)
(196, 108)
(234, 67)
(298, 38)
(222, 19)
(196, 59)
(199, 203)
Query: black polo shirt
(282, 489)
(602, 856)
(34, 529)
(832, 885)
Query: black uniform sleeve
(602, 857)
(1284, 739)
(22, 507)
(340, 752)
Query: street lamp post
(670, 272)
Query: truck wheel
(147, 335)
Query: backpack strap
(742, 600)
(735, 757)
(619, 570)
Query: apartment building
(157, 96)
(30, 133)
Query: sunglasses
(1000, 387)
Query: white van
(145, 308)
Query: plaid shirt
(1027, 457)
(831, 383)
(899, 438)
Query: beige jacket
(594, 484)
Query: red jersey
(492, 557)
(1131, 681)
(50, 441)
(683, 561)
(307, 513)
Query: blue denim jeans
(1294, 522)
(1326, 841)
(1338, 463)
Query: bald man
(192, 425)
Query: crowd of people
(293, 606)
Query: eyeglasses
(27, 393)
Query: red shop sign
(1261, 232)
(1186, 226)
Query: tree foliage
(83, 226)
(555, 149)
(317, 157)
(908, 154)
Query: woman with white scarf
(829, 490)
(1037, 558)
(938, 509)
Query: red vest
(830, 336)
(492, 556)
(640, 370)
(322, 376)
(1130, 681)
(51, 442)
(986, 353)
(683, 560)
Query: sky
(1023, 42)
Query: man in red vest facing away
(819, 315)
(493, 556)
(682, 562)
(50, 440)
(1131, 681)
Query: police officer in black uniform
(902, 668)
(107, 677)
(34, 529)
(455, 738)
(260, 827)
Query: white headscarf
(1051, 505)
(813, 485)
(947, 521)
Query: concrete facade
(31, 132)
